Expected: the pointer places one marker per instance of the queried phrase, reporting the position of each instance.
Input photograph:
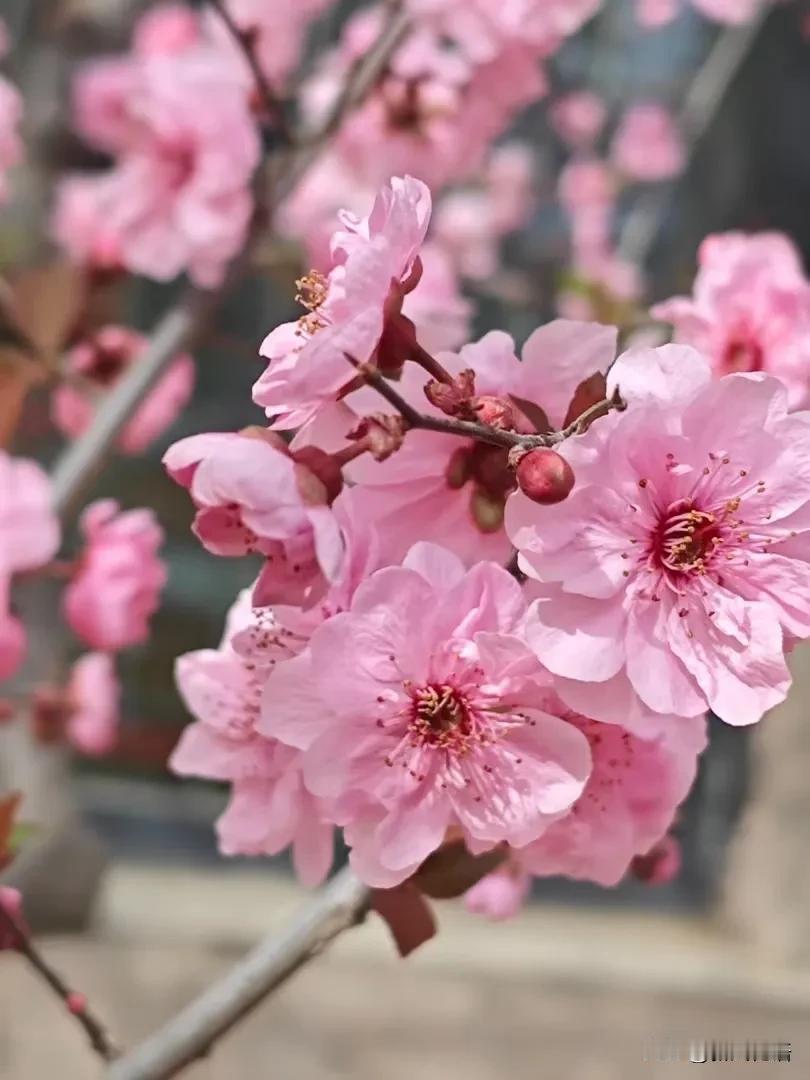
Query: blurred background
(575, 987)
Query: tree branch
(246, 41)
(74, 1002)
(470, 429)
(343, 903)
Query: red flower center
(686, 538)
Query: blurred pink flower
(647, 145)
(418, 710)
(186, 146)
(29, 528)
(252, 497)
(578, 118)
(29, 538)
(166, 28)
(93, 700)
(436, 307)
(482, 27)
(375, 265)
(96, 364)
(750, 309)
(681, 558)
(586, 188)
(470, 222)
(269, 807)
(11, 147)
(655, 13)
(117, 586)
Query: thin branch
(469, 429)
(74, 1002)
(360, 81)
(343, 903)
(701, 105)
(246, 41)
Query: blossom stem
(246, 40)
(75, 1003)
(343, 903)
(351, 452)
(469, 429)
(431, 365)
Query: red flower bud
(76, 1002)
(545, 477)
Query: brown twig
(74, 1002)
(469, 429)
(246, 40)
(343, 903)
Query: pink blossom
(253, 498)
(501, 894)
(178, 198)
(375, 266)
(96, 364)
(679, 562)
(116, 589)
(94, 700)
(749, 310)
(578, 118)
(11, 147)
(629, 802)
(647, 145)
(269, 808)
(11, 903)
(29, 528)
(418, 710)
(661, 864)
(441, 488)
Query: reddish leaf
(407, 914)
(451, 870)
(533, 413)
(588, 393)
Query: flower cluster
(496, 596)
(175, 116)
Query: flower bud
(544, 476)
(495, 411)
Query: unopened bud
(495, 411)
(453, 398)
(544, 476)
(76, 1003)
